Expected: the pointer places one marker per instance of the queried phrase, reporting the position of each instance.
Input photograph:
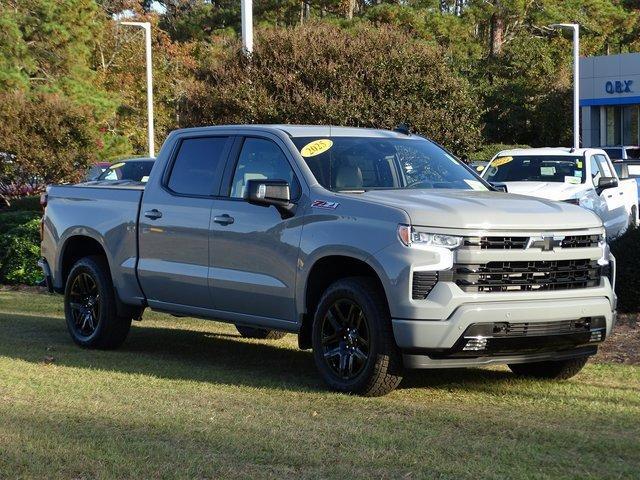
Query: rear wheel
(557, 370)
(90, 306)
(261, 333)
(353, 343)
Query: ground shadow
(177, 353)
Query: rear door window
(197, 166)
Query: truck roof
(310, 130)
(543, 151)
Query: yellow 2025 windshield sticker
(116, 165)
(316, 147)
(498, 162)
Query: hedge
(20, 247)
(626, 249)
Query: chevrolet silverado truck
(380, 250)
(583, 176)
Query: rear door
(254, 249)
(174, 224)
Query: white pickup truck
(581, 176)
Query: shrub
(10, 220)
(626, 249)
(29, 204)
(321, 73)
(20, 247)
(44, 138)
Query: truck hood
(468, 209)
(548, 190)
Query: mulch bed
(623, 346)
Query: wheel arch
(324, 271)
(84, 244)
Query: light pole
(576, 78)
(246, 19)
(147, 35)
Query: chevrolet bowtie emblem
(545, 242)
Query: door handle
(153, 214)
(224, 219)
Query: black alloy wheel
(84, 302)
(354, 347)
(90, 307)
(345, 339)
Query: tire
(632, 218)
(91, 316)
(556, 370)
(261, 333)
(354, 350)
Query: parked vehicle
(626, 169)
(133, 169)
(380, 250)
(478, 165)
(622, 152)
(583, 177)
(95, 170)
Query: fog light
(596, 336)
(475, 344)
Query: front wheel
(90, 306)
(556, 370)
(353, 343)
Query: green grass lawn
(188, 398)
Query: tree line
(468, 73)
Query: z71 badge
(323, 204)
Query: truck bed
(104, 211)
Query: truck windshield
(536, 168)
(372, 163)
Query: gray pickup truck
(378, 249)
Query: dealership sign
(618, 86)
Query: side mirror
(607, 182)
(270, 192)
(499, 187)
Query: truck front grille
(581, 241)
(423, 283)
(527, 276)
(496, 243)
(529, 329)
(520, 243)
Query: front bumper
(430, 315)
(536, 329)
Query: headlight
(409, 235)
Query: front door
(254, 250)
(174, 225)
(613, 211)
